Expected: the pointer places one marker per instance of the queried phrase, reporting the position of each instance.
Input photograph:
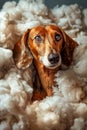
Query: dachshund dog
(49, 47)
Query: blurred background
(52, 3)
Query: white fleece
(67, 108)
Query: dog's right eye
(38, 39)
(57, 37)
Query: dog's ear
(68, 48)
(21, 53)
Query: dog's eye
(57, 37)
(38, 38)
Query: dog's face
(45, 44)
(49, 45)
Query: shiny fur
(49, 47)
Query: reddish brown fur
(65, 47)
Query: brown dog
(49, 47)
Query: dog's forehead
(37, 30)
(52, 27)
(44, 29)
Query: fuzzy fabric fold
(67, 108)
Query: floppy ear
(68, 48)
(21, 53)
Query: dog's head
(49, 45)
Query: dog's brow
(38, 31)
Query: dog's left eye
(38, 39)
(57, 37)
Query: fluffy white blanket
(67, 108)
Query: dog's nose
(53, 58)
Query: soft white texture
(5, 56)
(80, 62)
(70, 86)
(67, 108)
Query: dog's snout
(53, 58)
